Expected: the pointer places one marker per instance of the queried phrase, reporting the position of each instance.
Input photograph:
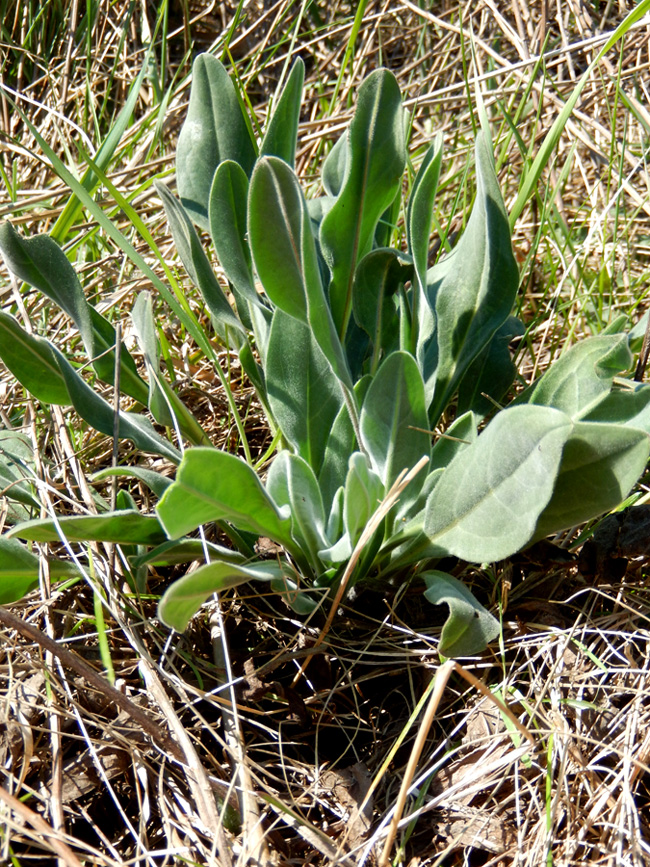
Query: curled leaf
(470, 627)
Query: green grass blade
(180, 307)
(552, 137)
(103, 157)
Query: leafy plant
(359, 352)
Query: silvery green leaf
(394, 420)
(215, 129)
(182, 600)
(600, 464)
(470, 627)
(374, 157)
(212, 485)
(471, 290)
(583, 375)
(291, 482)
(487, 503)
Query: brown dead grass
(310, 765)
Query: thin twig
(75, 663)
(385, 506)
(255, 849)
(45, 831)
(442, 676)
(116, 436)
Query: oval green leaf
(215, 129)
(486, 504)
(472, 290)
(126, 527)
(20, 568)
(303, 393)
(185, 596)
(600, 465)
(212, 485)
(394, 420)
(375, 157)
(281, 133)
(470, 627)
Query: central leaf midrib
(506, 478)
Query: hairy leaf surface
(281, 134)
(215, 129)
(121, 527)
(182, 600)
(284, 252)
(472, 290)
(600, 464)
(304, 395)
(227, 214)
(487, 502)
(394, 420)
(212, 485)
(32, 361)
(469, 627)
(374, 164)
(291, 482)
(583, 375)
(193, 257)
(20, 569)
(40, 262)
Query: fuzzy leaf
(470, 627)
(17, 468)
(31, 360)
(291, 482)
(164, 404)
(491, 374)
(394, 420)
(419, 214)
(630, 407)
(99, 414)
(212, 485)
(40, 262)
(48, 375)
(184, 598)
(471, 291)
(335, 168)
(153, 480)
(192, 255)
(341, 443)
(120, 527)
(303, 393)
(20, 568)
(362, 496)
(227, 212)
(583, 375)
(600, 464)
(281, 133)
(145, 331)
(458, 436)
(215, 129)
(374, 165)
(185, 551)
(284, 252)
(487, 502)
(378, 277)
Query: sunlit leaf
(470, 627)
(214, 130)
(487, 502)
